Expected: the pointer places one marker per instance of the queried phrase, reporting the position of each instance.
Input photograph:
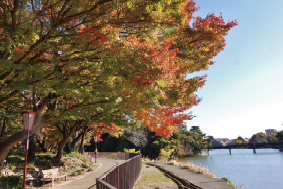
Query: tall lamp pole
(95, 151)
(28, 121)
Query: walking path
(197, 179)
(88, 180)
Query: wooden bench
(52, 174)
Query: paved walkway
(197, 179)
(88, 180)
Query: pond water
(263, 170)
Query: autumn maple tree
(81, 63)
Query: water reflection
(254, 171)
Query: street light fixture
(28, 121)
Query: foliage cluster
(182, 143)
(11, 182)
(262, 137)
(279, 136)
(131, 151)
(87, 67)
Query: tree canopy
(98, 63)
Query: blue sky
(243, 94)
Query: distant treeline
(184, 142)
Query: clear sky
(243, 94)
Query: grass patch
(228, 182)
(195, 168)
(151, 177)
(77, 155)
(170, 163)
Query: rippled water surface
(263, 170)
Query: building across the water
(220, 142)
(270, 131)
(217, 142)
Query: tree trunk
(83, 140)
(68, 148)
(31, 150)
(75, 140)
(42, 144)
(66, 138)
(61, 145)
(3, 128)
(6, 145)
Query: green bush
(84, 165)
(90, 169)
(73, 174)
(48, 157)
(11, 182)
(79, 172)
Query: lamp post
(95, 151)
(28, 121)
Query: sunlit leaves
(102, 60)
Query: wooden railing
(114, 155)
(123, 176)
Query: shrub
(73, 174)
(11, 182)
(79, 172)
(48, 157)
(84, 165)
(90, 169)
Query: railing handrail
(100, 183)
(250, 144)
(106, 173)
(105, 184)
